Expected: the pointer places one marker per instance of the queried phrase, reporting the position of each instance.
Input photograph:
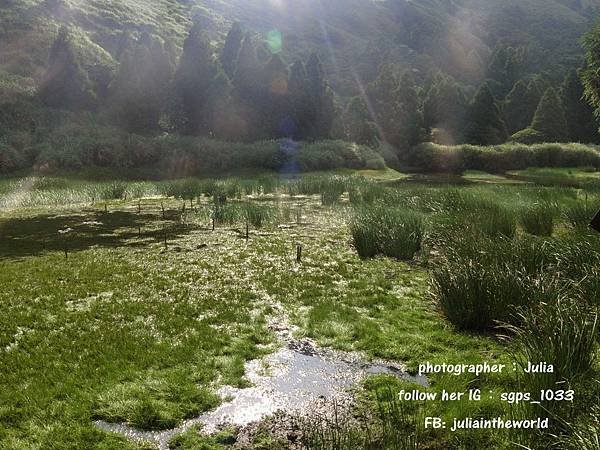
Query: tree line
(245, 93)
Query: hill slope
(352, 36)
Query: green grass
(127, 329)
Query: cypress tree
(300, 104)
(65, 84)
(484, 121)
(396, 106)
(231, 50)
(412, 122)
(581, 123)
(321, 97)
(193, 79)
(549, 119)
(445, 108)
(275, 108)
(358, 123)
(139, 89)
(519, 107)
(383, 96)
(590, 75)
(247, 88)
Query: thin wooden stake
(247, 230)
(299, 253)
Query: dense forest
(98, 85)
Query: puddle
(293, 379)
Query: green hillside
(353, 37)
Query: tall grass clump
(394, 232)
(332, 189)
(584, 434)
(257, 215)
(113, 191)
(479, 281)
(187, 189)
(226, 213)
(538, 220)
(364, 191)
(560, 331)
(580, 214)
(496, 220)
(479, 213)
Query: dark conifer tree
(231, 50)
(412, 122)
(549, 119)
(445, 108)
(321, 97)
(248, 91)
(484, 121)
(275, 108)
(383, 96)
(359, 125)
(65, 84)
(519, 107)
(139, 89)
(579, 114)
(193, 81)
(300, 104)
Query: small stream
(293, 379)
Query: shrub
(538, 220)
(528, 136)
(434, 158)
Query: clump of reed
(479, 281)
(388, 231)
(332, 188)
(479, 213)
(580, 214)
(538, 220)
(256, 215)
(365, 191)
(560, 330)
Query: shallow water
(293, 379)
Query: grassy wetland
(136, 303)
